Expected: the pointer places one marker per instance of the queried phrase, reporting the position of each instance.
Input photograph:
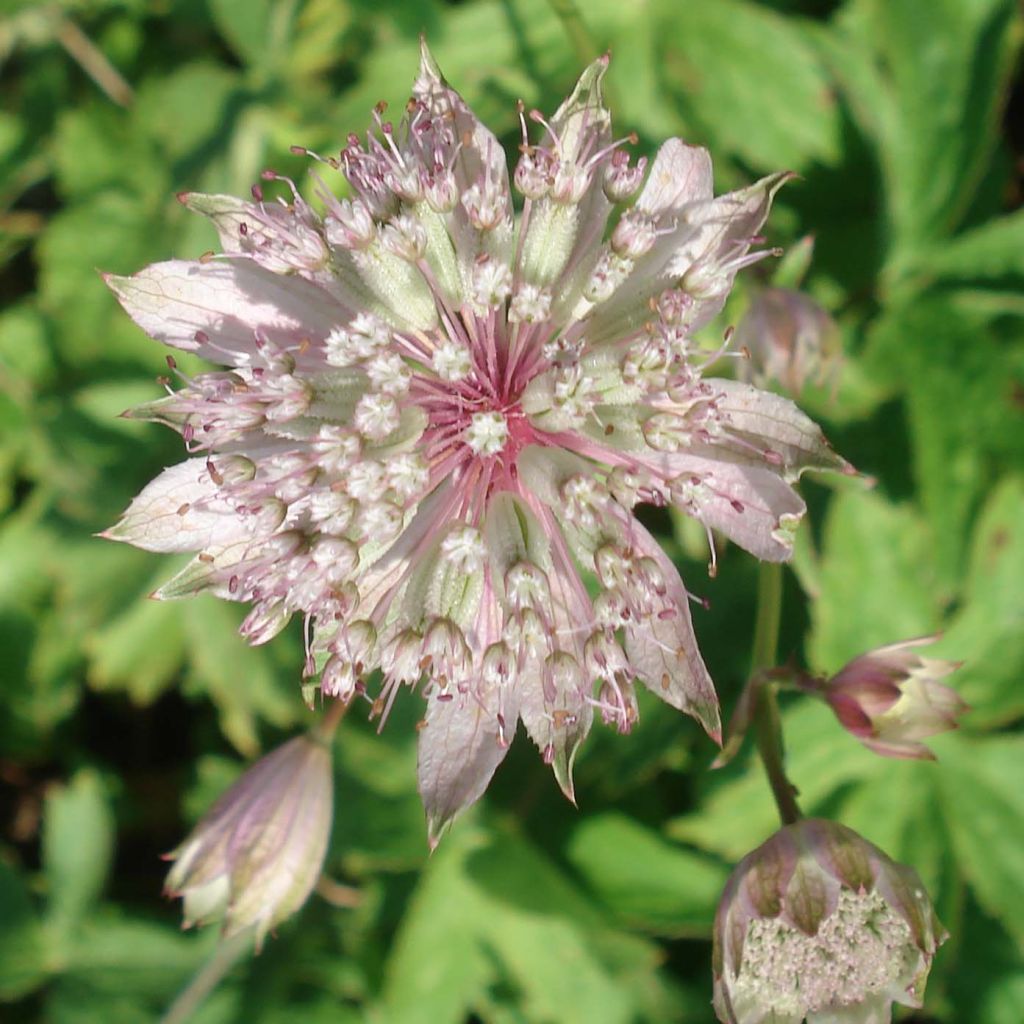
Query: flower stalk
(225, 955)
(767, 725)
(325, 729)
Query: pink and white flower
(438, 414)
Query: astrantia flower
(254, 858)
(891, 698)
(438, 416)
(818, 924)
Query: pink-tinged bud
(890, 698)
(818, 924)
(790, 339)
(254, 858)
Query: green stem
(767, 726)
(325, 729)
(228, 952)
(576, 29)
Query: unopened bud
(818, 924)
(891, 698)
(253, 860)
(791, 340)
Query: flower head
(819, 924)
(255, 856)
(438, 414)
(891, 698)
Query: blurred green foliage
(121, 719)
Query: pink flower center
(476, 424)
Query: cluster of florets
(818, 924)
(439, 415)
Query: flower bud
(790, 339)
(819, 924)
(890, 699)
(256, 855)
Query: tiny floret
(449, 392)
(452, 361)
(487, 433)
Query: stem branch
(227, 953)
(767, 726)
(325, 729)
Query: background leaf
(78, 842)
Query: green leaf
(128, 970)
(750, 82)
(111, 231)
(379, 824)
(25, 354)
(876, 580)
(947, 67)
(318, 37)
(115, 953)
(988, 632)
(635, 91)
(24, 547)
(257, 30)
(983, 802)
(241, 680)
(497, 908)
(23, 961)
(648, 882)
(950, 359)
(97, 147)
(437, 969)
(986, 975)
(139, 651)
(188, 109)
(990, 254)
(78, 843)
(537, 922)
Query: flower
(890, 698)
(255, 856)
(818, 923)
(439, 415)
(790, 339)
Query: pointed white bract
(818, 924)
(254, 858)
(437, 416)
